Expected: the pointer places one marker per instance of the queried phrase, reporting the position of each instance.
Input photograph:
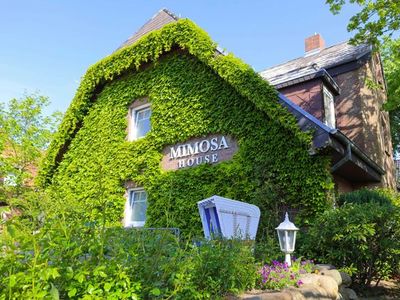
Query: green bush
(59, 255)
(225, 266)
(361, 238)
(379, 196)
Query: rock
(270, 296)
(330, 285)
(346, 279)
(325, 285)
(312, 292)
(321, 267)
(310, 279)
(347, 294)
(334, 274)
(295, 294)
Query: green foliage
(394, 116)
(379, 196)
(25, 132)
(277, 276)
(391, 64)
(52, 253)
(224, 266)
(192, 93)
(377, 18)
(266, 248)
(362, 236)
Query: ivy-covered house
(168, 120)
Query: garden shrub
(51, 252)
(364, 195)
(363, 239)
(225, 266)
(267, 248)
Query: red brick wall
(359, 113)
(308, 96)
(342, 185)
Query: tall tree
(377, 19)
(25, 133)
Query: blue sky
(47, 45)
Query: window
(140, 122)
(135, 208)
(329, 107)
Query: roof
(159, 20)
(308, 122)
(348, 160)
(309, 65)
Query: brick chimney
(314, 44)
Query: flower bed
(278, 275)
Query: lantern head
(287, 235)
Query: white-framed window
(329, 107)
(140, 122)
(135, 208)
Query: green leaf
(11, 230)
(155, 292)
(108, 286)
(79, 277)
(72, 292)
(12, 280)
(54, 293)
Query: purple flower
(299, 282)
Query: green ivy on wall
(193, 92)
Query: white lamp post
(287, 238)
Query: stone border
(326, 283)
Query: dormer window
(139, 123)
(329, 107)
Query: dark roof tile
(308, 65)
(159, 20)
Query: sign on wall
(208, 150)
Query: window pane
(139, 212)
(138, 202)
(329, 108)
(142, 122)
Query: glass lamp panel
(294, 240)
(287, 239)
(282, 240)
(290, 240)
